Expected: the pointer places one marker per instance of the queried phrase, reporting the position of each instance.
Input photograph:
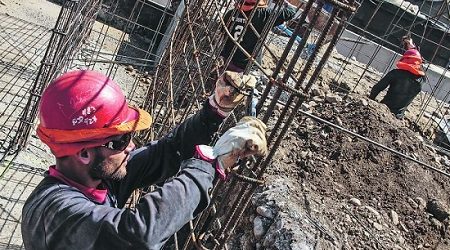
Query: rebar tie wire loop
(247, 179)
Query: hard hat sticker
(87, 111)
(83, 117)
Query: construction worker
(404, 82)
(88, 125)
(238, 22)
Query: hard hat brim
(138, 119)
(68, 142)
(142, 119)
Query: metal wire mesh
(168, 65)
(22, 47)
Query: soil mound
(327, 189)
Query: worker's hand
(247, 138)
(231, 87)
(408, 42)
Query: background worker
(404, 82)
(238, 22)
(88, 125)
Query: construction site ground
(325, 189)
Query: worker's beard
(102, 169)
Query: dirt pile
(326, 189)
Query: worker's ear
(85, 156)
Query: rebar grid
(73, 24)
(242, 200)
(74, 43)
(185, 75)
(174, 69)
(15, 185)
(22, 47)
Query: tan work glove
(247, 138)
(231, 88)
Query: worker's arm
(381, 85)
(64, 218)
(159, 160)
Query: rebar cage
(167, 65)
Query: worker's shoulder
(401, 73)
(52, 190)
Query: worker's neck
(78, 174)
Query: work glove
(247, 138)
(231, 88)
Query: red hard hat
(86, 106)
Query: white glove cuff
(221, 171)
(204, 152)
